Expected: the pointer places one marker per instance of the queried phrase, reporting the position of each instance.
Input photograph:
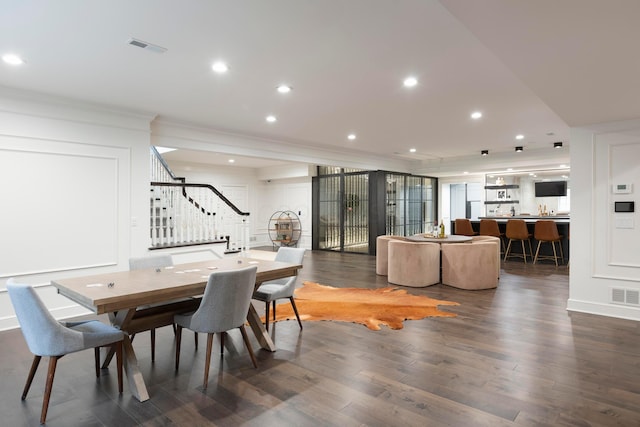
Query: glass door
(329, 224)
(343, 206)
(353, 207)
(395, 198)
(356, 213)
(410, 202)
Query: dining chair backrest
(546, 230)
(517, 229)
(292, 256)
(44, 335)
(489, 227)
(463, 227)
(226, 300)
(154, 261)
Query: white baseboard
(609, 310)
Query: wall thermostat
(624, 206)
(622, 188)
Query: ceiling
(213, 158)
(531, 67)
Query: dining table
(139, 300)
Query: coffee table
(452, 238)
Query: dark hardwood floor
(512, 357)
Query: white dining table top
(109, 292)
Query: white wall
(73, 177)
(604, 255)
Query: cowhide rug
(370, 307)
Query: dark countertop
(530, 218)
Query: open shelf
(285, 228)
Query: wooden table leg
(136, 383)
(258, 329)
(138, 388)
(120, 320)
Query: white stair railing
(190, 214)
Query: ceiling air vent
(146, 46)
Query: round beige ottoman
(472, 266)
(414, 264)
(495, 240)
(382, 253)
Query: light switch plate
(624, 223)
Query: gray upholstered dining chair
(47, 337)
(224, 306)
(154, 261)
(271, 291)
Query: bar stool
(517, 230)
(464, 228)
(489, 227)
(546, 231)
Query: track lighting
(519, 149)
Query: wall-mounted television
(551, 188)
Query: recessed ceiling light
(410, 82)
(485, 152)
(12, 59)
(220, 67)
(519, 149)
(351, 136)
(509, 169)
(476, 115)
(412, 150)
(271, 119)
(519, 137)
(563, 166)
(465, 172)
(557, 144)
(284, 88)
(231, 161)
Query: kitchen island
(562, 221)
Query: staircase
(186, 214)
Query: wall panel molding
(64, 198)
(615, 248)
